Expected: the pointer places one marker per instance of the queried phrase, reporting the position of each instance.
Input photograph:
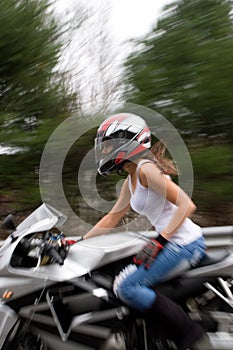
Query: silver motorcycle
(57, 292)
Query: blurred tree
(35, 96)
(31, 88)
(95, 58)
(184, 67)
(45, 56)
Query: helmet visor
(106, 149)
(112, 153)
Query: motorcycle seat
(212, 258)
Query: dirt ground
(204, 219)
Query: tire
(138, 335)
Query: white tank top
(159, 210)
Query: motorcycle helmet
(120, 138)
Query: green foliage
(184, 70)
(34, 95)
(213, 172)
(184, 67)
(31, 88)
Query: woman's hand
(149, 253)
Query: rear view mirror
(9, 224)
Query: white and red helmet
(130, 137)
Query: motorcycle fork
(141, 323)
(137, 337)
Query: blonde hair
(158, 155)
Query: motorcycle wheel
(136, 336)
(158, 342)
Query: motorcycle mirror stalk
(9, 225)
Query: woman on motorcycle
(123, 142)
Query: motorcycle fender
(8, 318)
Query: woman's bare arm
(151, 176)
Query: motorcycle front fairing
(82, 257)
(42, 219)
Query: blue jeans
(136, 289)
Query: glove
(148, 254)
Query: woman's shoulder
(145, 165)
(147, 170)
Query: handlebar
(47, 249)
(51, 251)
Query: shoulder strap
(143, 161)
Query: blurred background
(56, 59)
